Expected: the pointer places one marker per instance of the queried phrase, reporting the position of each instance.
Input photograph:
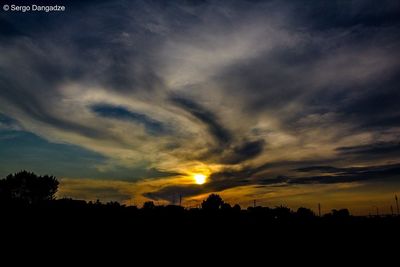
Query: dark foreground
(67, 219)
(171, 233)
(33, 221)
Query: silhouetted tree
(236, 207)
(213, 202)
(149, 205)
(27, 187)
(305, 213)
(174, 209)
(282, 212)
(226, 207)
(342, 213)
(114, 204)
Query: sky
(284, 102)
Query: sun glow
(199, 178)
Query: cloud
(324, 169)
(225, 149)
(219, 182)
(243, 152)
(380, 148)
(109, 111)
(92, 190)
(170, 192)
(220, 134)
(348, 175)
(8, 123)
(247, 91)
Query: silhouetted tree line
(28, 190)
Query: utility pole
(254, 203)
(397, 204)
(319, 209)
(180, 200)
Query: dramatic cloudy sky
(286, 102)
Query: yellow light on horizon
(199, 178)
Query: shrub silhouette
(149, 205)
(226, 207)
(342, 213)
(305, 213)
(237, 208)
(213, 202)
(282, 212)
(28, 188)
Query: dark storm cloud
(279, 180)
(267, 87)
(117, 112)
(376, 108)
(382, 122)
(227, 150)
(263, 84)
(381, 148)
(350, 28)
(348, 175)
(323, 169)
(243, 152)
(324, 15)
(220, 134)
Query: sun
(199, 178)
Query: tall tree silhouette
(213, 202)
(304, 213)
(27, 187)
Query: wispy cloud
(120, 113)
(245, 91)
